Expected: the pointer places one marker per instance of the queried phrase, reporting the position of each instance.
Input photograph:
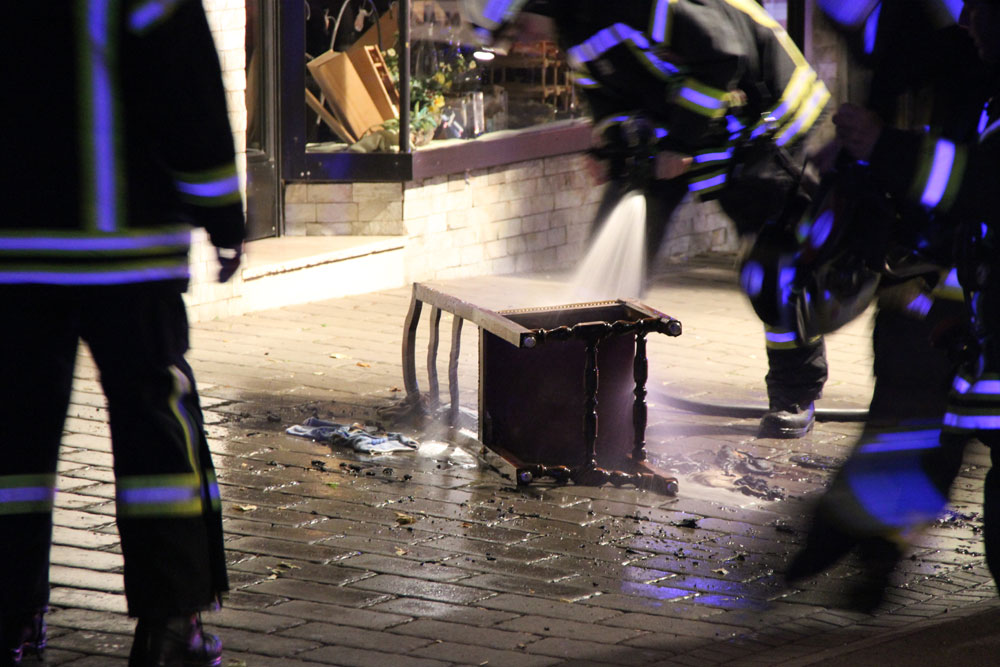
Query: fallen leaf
(401, 552)
(364, 364)
(338, 355)
(723, 571)
(404, 519)
(246, 508)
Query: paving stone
(306, 590)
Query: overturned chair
(540, 401)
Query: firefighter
(109, 163)
(707, 98)
(897, 480)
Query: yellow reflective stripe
(806, 116)
(703, 99)
(756, 12)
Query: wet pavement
(436, 557)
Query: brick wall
(227, 19)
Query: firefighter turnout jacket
(127, 120)
(958, 181)
(711, 76)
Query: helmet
(817, 268)
(489, 18)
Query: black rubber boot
(21, 635)
(825, 545)
(787, 420)
(879, 559)
(178, 641)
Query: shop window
(357, 105)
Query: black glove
(229, 261)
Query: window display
(456, 91)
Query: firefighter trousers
(166, 498)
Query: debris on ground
(816, 462)
(359, 437)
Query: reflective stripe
(660, 23)
(151, 13)
(780, 336)
(498, 11)
(716, 156)
(98, 57)
(920, 305)
(807, 114)
(944, 161)
(939, 174)
(606, 39)
(586, 82)
(69, 276)
(903, 441)
(988, 130)
(180, 239)
(27, 494)
(224, 190)
(971, 422)
(159, 495)
(708, 183)
(848, 12)
(871, 29)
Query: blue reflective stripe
(664, 66)
(899, 494)
(661, 14)
(496, 10)
(218, 188)
(144, 274)
(157, 495)
(606, 39)
(102, 153)
(871, 30)
(847, 12)
(661, 132)
(901, 442)
(990, 129)
(806, 114)
(96, 243)
(698, 186)
(960, 385)
(712, 157)
(972, 422)
(984, 119)
(780, 337)
(983, 388)
(920, 305)
(937, 182)
(700, 99)
(583, 81)
(733, 125)
(27, 494)
(954, 8)
(152, 12)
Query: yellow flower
(438, 102)
(439, 78)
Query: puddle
(447, 453)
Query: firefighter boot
(178, 641)
(879, 559)
(826, 544)
(21, 634)
(787, 420)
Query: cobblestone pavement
(432, 558)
